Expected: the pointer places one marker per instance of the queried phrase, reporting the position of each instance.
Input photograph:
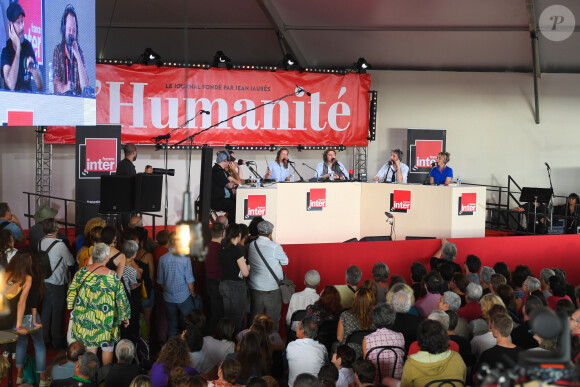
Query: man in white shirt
(305, 355)
(301, 300)
(264, 291)
(394, 171)
(53, 303)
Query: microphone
(547, 165)
(333, 160)
(244, 162)
(290, 162)
(390, 163)
(204, 111)
(162, 137)
(301, 90)
(70, 39)
(389, 215)
(433, 164)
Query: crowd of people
(142, 315)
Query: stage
(332, 259)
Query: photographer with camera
(224, 178)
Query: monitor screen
(47, 64)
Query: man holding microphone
(394, 171)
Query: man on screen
(18, 62)
(70, 76)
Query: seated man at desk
(394, 171)
(330, 168)
(222, 196)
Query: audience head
(473, 292)
(125, 351)
(434, 283)
(472, 263)
(418, 271)
(531, 284)
(545, 275)
(224, 329)
(4, 209)
(460, 281)
(230, 370)
(195, 317)
(87, 365)
(232, 234)
(94, 236)
(453, 320)
(253, 226)
(162, 237)
(560, 273)
(383, 315)
(174, 354)
(74, 350)
(381, 272)
(501, 325)
(329, 300)
(270, 381)
(432, 337)
(194, 338)
(532, 304)
(557, 286)
(312, 279)
(364, 371)
(135, 222)
(4, 367)
(92, 223)
(446, 269)
(218, 230)
(520, 274)
(362, 306)
(485, 275)
(100, 252)
(449, 251)
(306, 380)
(343, 357)
(401, 302)
(328, 375)
(130, 249)
(487, 302)
(398, 288)
(449, 301)
(496, 280)
(441, 317)
(307, 328)
(396, 280)
(503, 269)
(109, 235)
(353, 275)
(265, 321)
(141, 381)
(539, 293)
(256, 381)
(565, 307)
(371, 286)
(49, 226)
(507, 295)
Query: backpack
(44, 259)
(142, 352)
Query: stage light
(220, 60)
(361, 66)
(149, 56)
(289, 63)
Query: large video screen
(47, 63)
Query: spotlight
(220, 60)
(289, 63)
(361, 66)
(149, 56)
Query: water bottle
(292, 177)
(257, 183)
(50, 79)
(458, 181)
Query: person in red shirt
(472, 309)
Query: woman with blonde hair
(358, 318)
(480, 326)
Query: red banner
(148, 101)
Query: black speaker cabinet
(375, 238)
(148, 188)
(117, 194)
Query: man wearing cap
(264, 290)
(224, 179)
(10, 222)
(18, 62)
(301, 300)
(35, 234)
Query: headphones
(69, 10)
(399, 154)
(326, 153)
(446, 155)
(226, 153)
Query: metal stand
(43, 167)
(551, 203)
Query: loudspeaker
(350, 240)
(415, 238)
(116, 194)
(148, 189)
(375, 238)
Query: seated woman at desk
(330, 167)
(279, 169)
(441, 174)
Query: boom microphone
(204, 112)
(547, 165)
(301, 90)
(244, 162)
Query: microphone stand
(551, 204)
(315, 171)
(255, 173)
(158, 143)
(387, 174)
(428, 175)
(298, 173)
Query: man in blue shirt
(175, 275)
(394, 171)
(10, 222)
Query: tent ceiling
(491, 35)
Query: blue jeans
(235, 299)
(175, 312)
(39, 351)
